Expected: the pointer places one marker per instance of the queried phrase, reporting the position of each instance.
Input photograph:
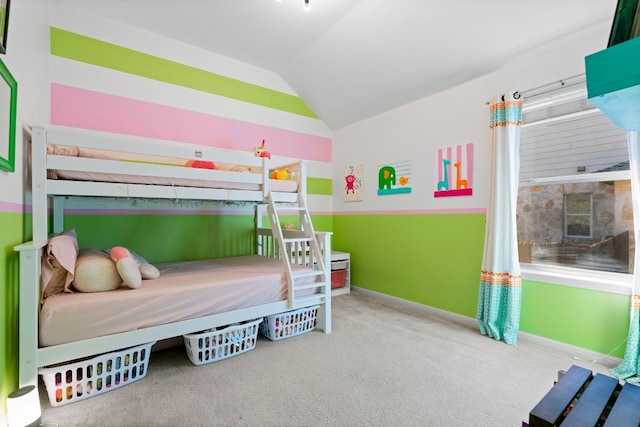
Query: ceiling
(352, 59)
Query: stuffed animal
(100, 271)
(284, 174)
(261, 152)
(279, 174)
(132, 269)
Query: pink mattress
(277, 185)
(184, 290)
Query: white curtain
(500, 281)
(629, 368)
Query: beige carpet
(383, 365)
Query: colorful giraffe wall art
(394, 178)
(353, 183)
(455, 171)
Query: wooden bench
(581, 399)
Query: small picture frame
(8, 100)
(4, 24)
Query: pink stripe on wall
(14, 207)
(81, 108)
(470, 165)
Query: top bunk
(69, 162)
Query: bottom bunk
(187, 298)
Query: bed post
(57, 207)
(39, 183)
(324, 239)
(30, 253)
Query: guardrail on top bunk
(41, 162)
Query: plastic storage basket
(91, 377)
(290, 323)
(217, 344)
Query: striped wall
(112, 77)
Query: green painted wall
(585, 318)
(161, 237)
(11, 234)
(435, 260)
(429, 259)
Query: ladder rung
(307, 274)
(290, 208)
(296, 239)
(310, 286)
(300, 301)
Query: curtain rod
(542, 89)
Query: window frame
(568, 215)
(611, 282)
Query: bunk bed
(67, 163)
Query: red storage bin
(338, 278)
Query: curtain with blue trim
(629, 368)
(500, 281)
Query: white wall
(27, 59)
(456, 116)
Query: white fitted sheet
(184, 290)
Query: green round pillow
(95, 272)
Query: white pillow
(95, 272)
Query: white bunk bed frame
(304, 247)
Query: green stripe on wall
(11, 234)
(92, 51)
(319, 186)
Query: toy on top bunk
(280, 174)
(65, 267)
(260, 151)
(201, 164)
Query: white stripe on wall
(99, 79)
(90, 25)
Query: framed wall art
(4, 24)
(8, 98)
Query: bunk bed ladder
(298, 247)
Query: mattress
(184, 290)
(277, 185)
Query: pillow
(62, 150)
(95, 272)
(58, 263)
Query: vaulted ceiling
(353, 59)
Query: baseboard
(577, 353)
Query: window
(577, 215)
(574, 202)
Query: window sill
(594, 280)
